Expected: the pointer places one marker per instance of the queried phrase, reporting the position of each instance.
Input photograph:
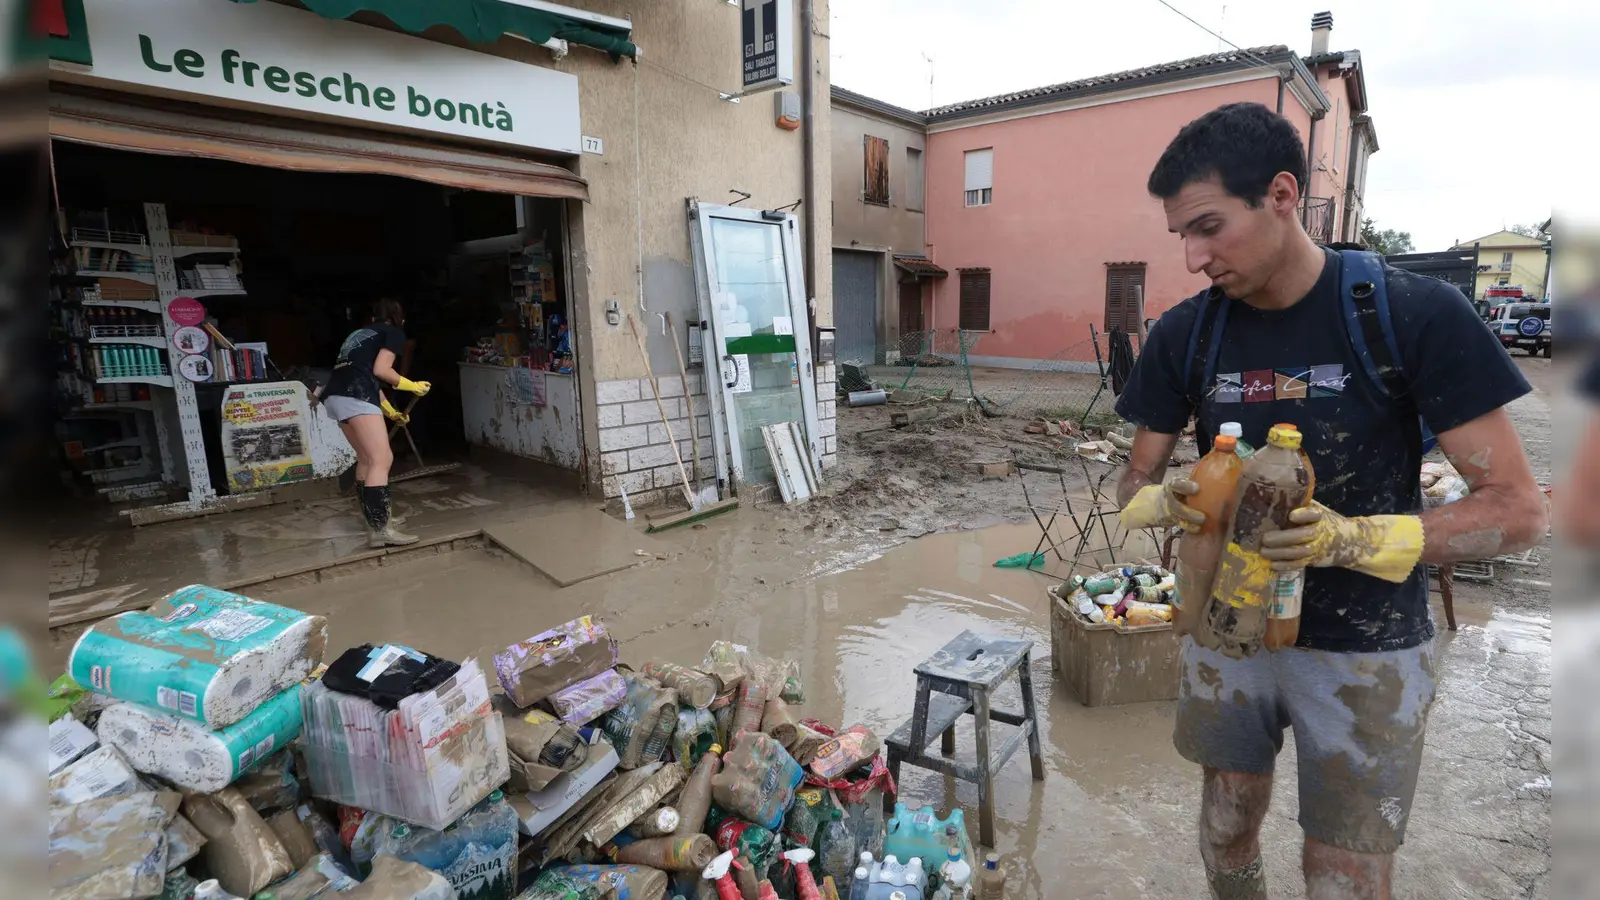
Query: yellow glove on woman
(1162, 506)
(1386, 547)
(416, 387)
(392, 414)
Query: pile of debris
(201, 749)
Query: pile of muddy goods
(1130, 596)
(211, 747)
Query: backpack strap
(1365, 300)
(1205, 345)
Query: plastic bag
(631, 725)
(695, 688)
(757, 780)
(272, 786)
(811, 808)
(748, 839)
(631, 882)
(733, 663)
(588, 700)
(241, 850)
(553, 884)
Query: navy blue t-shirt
(1296, 365)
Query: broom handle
(644, 357)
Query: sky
(1475, 103)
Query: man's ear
(1284, 194)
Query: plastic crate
(1109, 665)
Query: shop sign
(768, 51)
(264, 440)
(271, 55)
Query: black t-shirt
(352, 373)
(1296, 365)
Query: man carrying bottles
(1357, 685)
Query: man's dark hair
(1243, 145)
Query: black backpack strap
(1205, 342)
(1364, 294)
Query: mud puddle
(1115, 814)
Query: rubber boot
(361, 488)
(382, 532)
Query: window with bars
(980, 177)
(975, 300)
(1124, 297)
(875, 179)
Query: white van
(1524, 325)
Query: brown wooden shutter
(1123, 287)
(876, 151)
(975, 301)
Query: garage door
(855, 305)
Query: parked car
(1523, 325)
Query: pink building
(1036, 202)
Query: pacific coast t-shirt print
(1262, 385)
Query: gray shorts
(1358, 720)
(342, 408)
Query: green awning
(484, 21)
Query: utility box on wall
(786, 109)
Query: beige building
(1508, 259)
(656, 94)
(881, 265)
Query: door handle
(729, 364)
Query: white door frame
(725, 432)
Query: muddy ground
(840, 586)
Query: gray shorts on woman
(343, 408)
(1358, 720)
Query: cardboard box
(536, 810)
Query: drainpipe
(809, 149)
(1280, 94)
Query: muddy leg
(1336, 874)
(1232, 807)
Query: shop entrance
(193, 297)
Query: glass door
(759, 340)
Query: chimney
(1321, 27)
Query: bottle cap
(1227, 443)
(1285, 436)
(953, 853)
(992, 861)
(715, 748)
(1232, 429)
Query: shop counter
(501, 410)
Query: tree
(1531, 230)
(1387, 241)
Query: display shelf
(157, 342)
(117, 473)
(142, 277)
(161, 380)
(212, 292)
(125, 442)
(153, 306)
(140, 249)
(106, 409)
(192, 250)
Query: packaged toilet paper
(201, 653)
(193, 757)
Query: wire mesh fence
(1073, 384)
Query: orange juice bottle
(1200, 550)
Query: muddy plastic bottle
(991, 879)
(1274, 482)
(1200, 551)
(694, 801)
(1283, 616)
(1236, 431)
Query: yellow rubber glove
(416, 387)
(1162, 506)
(1387, 547)
(392, 414)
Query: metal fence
(1073, 384)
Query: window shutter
(876, 183)
(914, 176)
(974, 301)
(980, 169)
(1123, 286)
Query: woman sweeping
(354, 397)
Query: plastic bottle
(1200, 551)
(211, 890)
(1236, 431)
(1283, 617)
(991, 879)
(1274, 482)
(954, 875)
(476, 853)
(694, 801)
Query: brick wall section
(636, 449)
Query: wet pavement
(1115, 815)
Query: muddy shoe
(389, 537)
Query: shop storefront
(237, 182)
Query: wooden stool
(958, 679)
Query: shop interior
(285, 265)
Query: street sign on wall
(768, 39)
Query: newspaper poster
(264, 435)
